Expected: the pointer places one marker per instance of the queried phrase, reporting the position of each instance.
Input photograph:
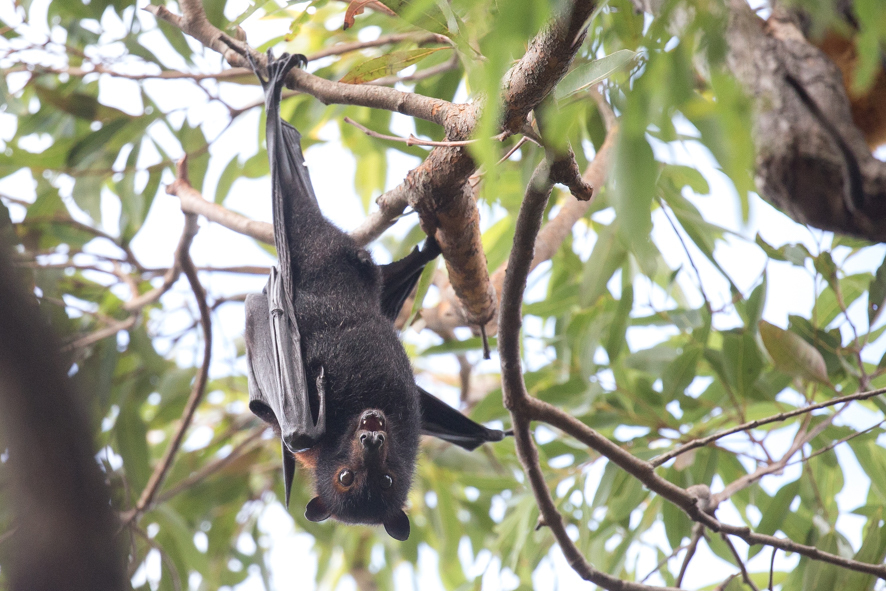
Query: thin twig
(414, 141)
(187, 265)
(665, 457)
(697, 534)
(242, 448)
(834, 444)
(102, 333)
(663, 562)
(707, 301)
(740, 562)
(725, 583)
(59, 219)
(173, 571)
(644, 471)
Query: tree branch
(446, 315)
(146, 499)
(193, 22)
(813, 163)
(687, 501)
(251, 442)
(514, 391)
(666, 457)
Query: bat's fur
(329, 310)
(337, 299)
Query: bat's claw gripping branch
(277, 68)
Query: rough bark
(812, 161)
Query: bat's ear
(397, 526)
(317, 511)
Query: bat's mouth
(371, 432)
(373, 421)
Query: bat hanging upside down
(326, 367)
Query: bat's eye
(346, 477)
(386, 481)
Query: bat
(326, 368)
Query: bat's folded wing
(278, 386)
(440, 420)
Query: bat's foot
(277, 68)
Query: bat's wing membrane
(278, 386)
(399, 278)
(440, 420)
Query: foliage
(638, 328)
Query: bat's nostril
(372, 441)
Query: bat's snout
(371, 431)
(372, 441)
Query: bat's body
(326, 366)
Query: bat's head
(365, 476)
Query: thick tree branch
(686, 500)
(446, 315)
(516, 398)
(193, 22)
(812, 161)
(437, 189)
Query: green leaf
(825, 265)
(79, 105)
(427, 14)
(132, 441)
(250, 11)
(607, 256)
(777, 509)
(751, 310)
(230, 174)
(827, 306)
(742, 361)
(84, 152)
(792, 354)
(87, 195)
(617, 328)
(686, 176)
(591, 73)
(877, 294)
(421, 290)
(796, 254)
(680, 373)
(634, 178)
(872, 551)
(388, 65)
